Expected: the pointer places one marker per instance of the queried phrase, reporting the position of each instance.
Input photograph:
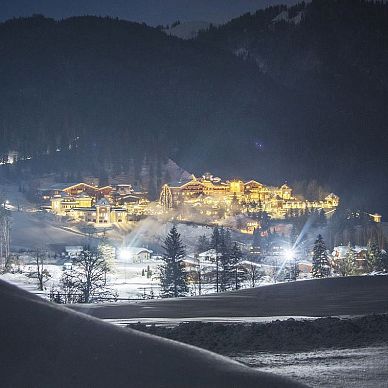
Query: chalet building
(73, 189)
(98, 205)
(135, 204)
(101, 214)
(250, 197)
(359, 252)
(63, 203)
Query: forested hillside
(290, 94)
(109, 90)
(333, 55)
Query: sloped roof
(252, 181)
(102, 202)
(136, 250)
(181, 183)
(57, 186)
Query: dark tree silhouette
(321, 264)
(173, 279)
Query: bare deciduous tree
(86, 282)
(4, 234)
(254, 273)
(43, 274)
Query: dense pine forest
(291, 94)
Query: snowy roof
(181, 182)
(210, 252)
(130, 198)
(57, 186)
(342, 249)
(136, 250)
(73, 248)
(191, 260)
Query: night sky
(152, 12)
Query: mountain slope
(107, 89)
(284, 94)
(333, 54)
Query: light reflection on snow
(362, 367)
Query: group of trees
(353, 225)
(251, 272)
(375, 259)
(228, 273)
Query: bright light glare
(289, 254)
(124, 254)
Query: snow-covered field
(43, 345)
(362, 367)
(129, 280)
(125, 278)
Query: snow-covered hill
(285, 17)
(45, 345)
(187, 30)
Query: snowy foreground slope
(353, 295)
(44, 345)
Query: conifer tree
(226, 278)
(216, 245)
(294, 271)
(215, 242)
(346, 265)
(321, 265)
(372, 257)
(203, 244)
(383, 261)
(173, 280)
(235, 258)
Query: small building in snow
(134, 254)
(73, 251)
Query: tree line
(374, 260)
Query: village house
(134, 254)
(100, 214)
(359, 253)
